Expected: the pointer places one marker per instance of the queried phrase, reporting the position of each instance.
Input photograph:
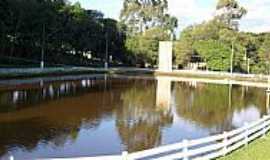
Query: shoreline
(18, 73)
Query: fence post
(264, 126)
(225, 143)
(125, 155)
(185, 149)
(246, 133)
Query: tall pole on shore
(107, 50)
(247, 61)
(232, 55)
(43, 47)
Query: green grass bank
(257, 150)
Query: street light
(232, 55)
(106, 54)
(43, 47)
(235, 26)
(247, 60)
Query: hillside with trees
(61, 33)
(218, 43)
(147, 22)
(58, 32)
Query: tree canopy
(211, 41)
(229, 12)
(68, 33)
(147, 23)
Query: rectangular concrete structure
(163, 93)
(165, 56)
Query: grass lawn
(257, 150)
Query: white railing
(205, 148)
(199, 149)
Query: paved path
(36, 72)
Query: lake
(76, 116)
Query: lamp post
(248, 65)
(42, 47)
(107, 50)
(247, 60)
(232, 55)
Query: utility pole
(43, 47)
(247, 61)
(248, 65)
(232, 55)
(107, 50)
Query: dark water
(90, 116)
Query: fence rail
(204, 148)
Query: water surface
(91, 116)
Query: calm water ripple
(89, 116)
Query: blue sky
(195, 11)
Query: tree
(264, 50)
(228, 11)
(114, 35)
(195, 40)
(184, 48)
(264, 57)
(170, 24)
(67, 32)
(140, 15)
(183, 51)
(147, 23)
(144, 47)
(215, 54)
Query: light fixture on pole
(42, 47)
(107, 50)
(232, 55)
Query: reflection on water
(106, 115)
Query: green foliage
(183, 52)
(140, 15)
(227, 3)
(230, 10)
(212, 41)
(210, 32)
(70, 32)
(264, 50)
(263, 65)
(215, 54)
(147, 23)
(144, 47)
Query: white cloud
(257, 19)
(195, 11)
(190, 11)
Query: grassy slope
(258, 150)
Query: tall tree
(229, 12)
(65, 32)
(140, 15)
(264, 55)
(144, 47)
(147, 23)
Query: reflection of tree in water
(212, 106)
(139, 121)
(243, 97)
(23, 97)
(28, 133)
(55, 121)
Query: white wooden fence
(202, 149)
(199, 149)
